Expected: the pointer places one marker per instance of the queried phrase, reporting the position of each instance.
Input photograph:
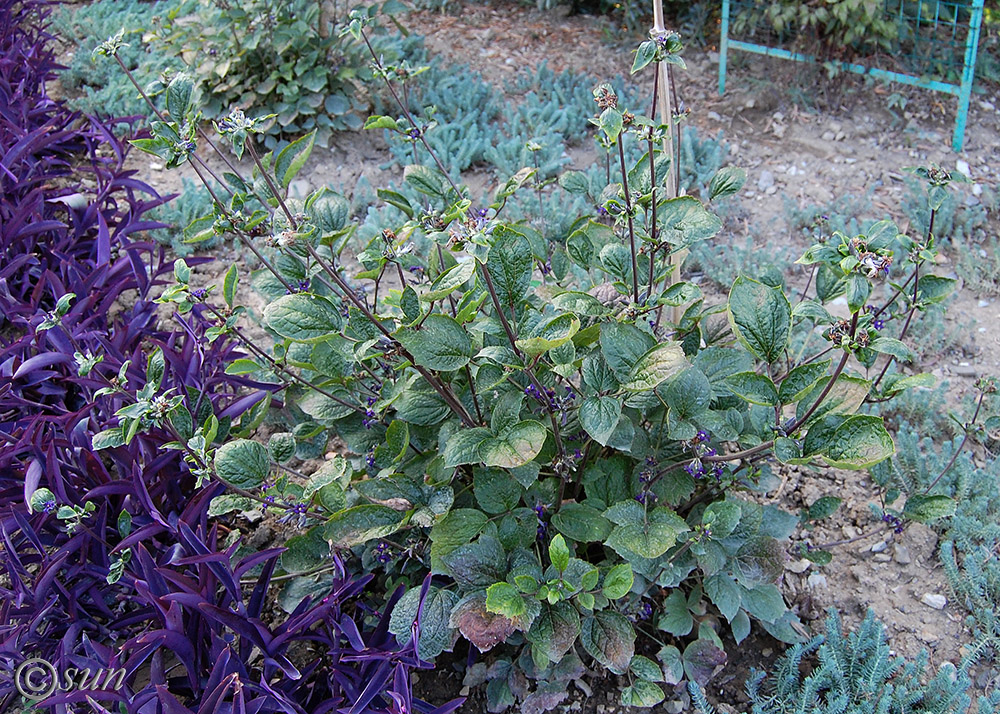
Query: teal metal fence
(936, 40)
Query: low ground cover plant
(112, 555)
(552, 439)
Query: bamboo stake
(666, 117)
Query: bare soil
(801, 136)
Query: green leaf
(457, 528)
(462, 447)
(496, 490)
(227, 503)
(108, 439)
(609, 638)
(642, 693)
(800, 380)
(555, 629)
(581, 523)
(656, 366)
(700, 658)
(440, 343)
(858, 291)
(761, 318)
(509, 264)
(676, 619)
(764, 602)
(726, 182)
(378, 121)
(755, 388)
(824, 507)
(846, 397)
(305, 551)
(549, 335)
(450, 280)
(559, 553)
(243, 463)
(293, 157)
(685, 220)
(611, 122)
(579, 304)
(575, 182)
(303, 318)
(721, 518)
(618, 581)
(622, 345)
(599, 416)
(229, 284)
(179, 97)
(504, 599)
(425, 180)
(517, 447)
(933, 289)
(646, 669)
(724, 593)
(925, 509)
(648, 534)
(282, 446)
(645, 54)
(855, 442)
(892, 346)
(435, 633)
(361, 524)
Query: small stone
(984, 303)
(828, 136)
(977, 190)
(962, 166)
(153, 166)
(934, 600)
(928, 636)
(714, 116)
(463, 692)
(987, 106)
(674, 707)
(771, 190)
(835, 126)
(965, 370)
(840, 136)
(879, 547)
(882, 558)
(765, 181)
(797, 566)
(816, 581)
(902, 554)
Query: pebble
(771, 190)
(155, 166)
(674, 707)
(766, 180)
(988, 106)
(828, 136)
(816, 581)
(882, 558)
(982, 303)
(798, 566)
(879, 547)
(934, 600)
(714, 116)
(977, 190)
(962, 166)
(902, 554)
(965, 370)
(928, 636)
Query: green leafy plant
(281, 58)
(855, 673)
(98, 87)
(557, 428)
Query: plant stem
(628, 213)
(965, 438)
(443, 391)
(270, 184)
(407, 114)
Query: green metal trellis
(928, 41)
